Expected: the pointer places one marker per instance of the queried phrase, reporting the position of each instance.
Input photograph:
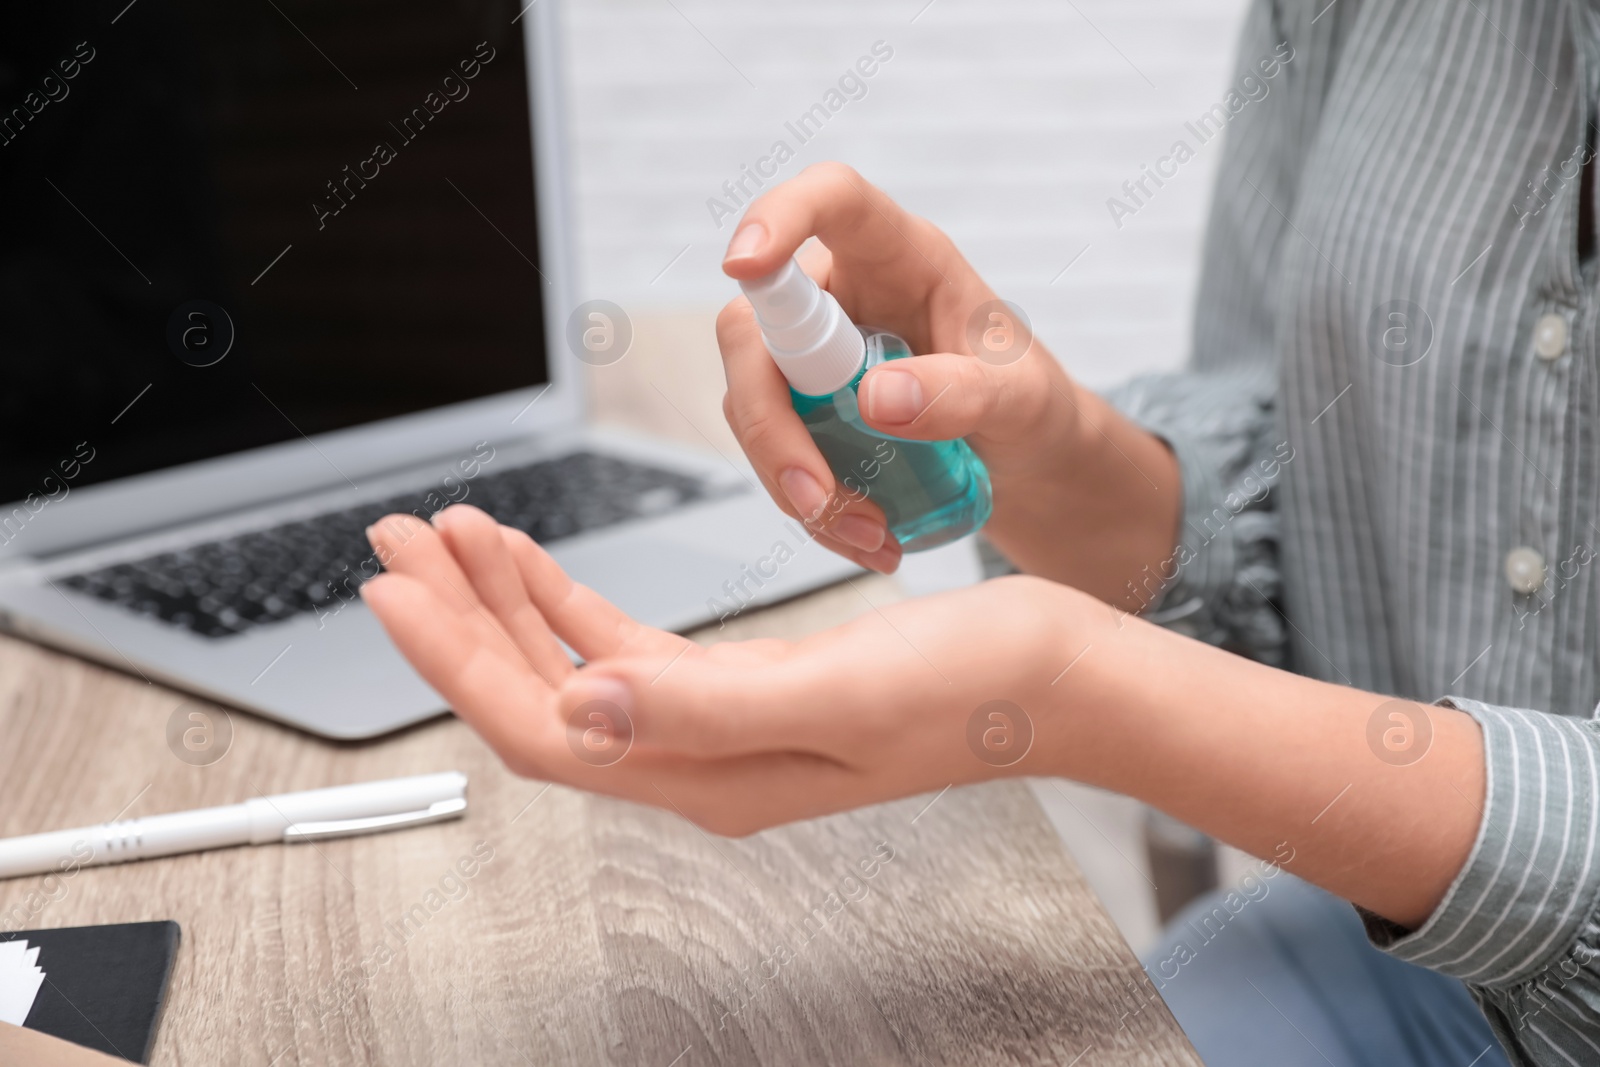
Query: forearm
(1276, 764)
(1098, 506)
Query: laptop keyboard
(225, 587)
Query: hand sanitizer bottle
(931, 492)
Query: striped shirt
(1389, 434)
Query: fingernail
(894, 396)
(860, 532)
(750, 239)
(804, 492)
(370, 539)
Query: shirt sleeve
(1221, 583)
(1218, 415)
(1520, 925)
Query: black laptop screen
(224, 225)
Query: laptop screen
(226, 225)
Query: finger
(848, 214)
(474, 539)
(815, 259)
(791, 467)
(758, 405)
(944, 396)
(711, 707)
(495, 692)
(885, 560)
(584, 619)
(846, 520)
(404, 544)
(499, 695)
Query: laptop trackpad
(657, 581)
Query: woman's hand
(1080, 494)
(737, 736)
(1016, 676)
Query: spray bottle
(931, 492)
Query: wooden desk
(590, 931)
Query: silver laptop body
(679, 560)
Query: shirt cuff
(1202, 564)
(1221, 582)
(1531, 883)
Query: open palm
(737, 736)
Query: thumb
(943, 396)
(697, 706)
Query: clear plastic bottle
(931, 492)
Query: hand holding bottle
(1051, 447)
(931, 492)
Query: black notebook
(103, 986)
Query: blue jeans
(1286, 976)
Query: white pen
(318, 813)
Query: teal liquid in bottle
(931, 492)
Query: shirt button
(1550, 337)
(1524, 570)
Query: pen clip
(435, 812)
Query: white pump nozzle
(815, 345)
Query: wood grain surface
(588, 931)
(554, 927)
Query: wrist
(1036, 431)
(1063, 645)
(1122, 477)
(1097, 503)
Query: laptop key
(220, 588)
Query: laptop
(269, 271)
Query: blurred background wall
(1008, 123)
